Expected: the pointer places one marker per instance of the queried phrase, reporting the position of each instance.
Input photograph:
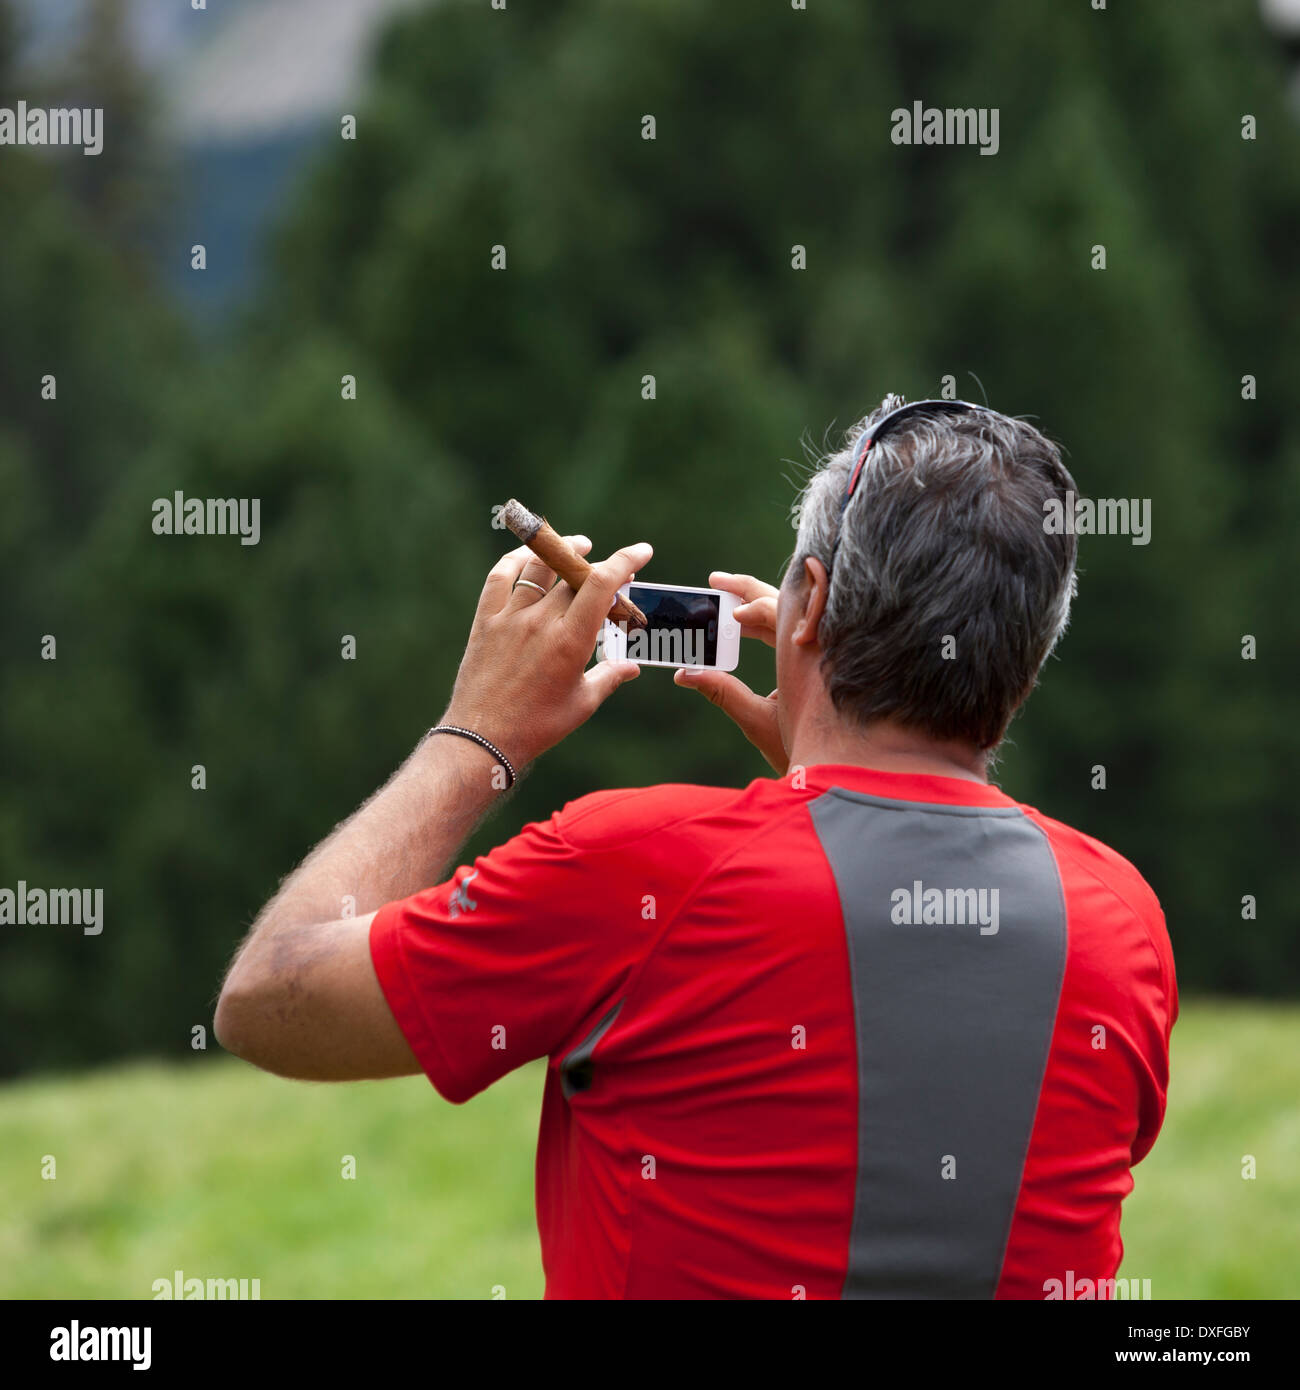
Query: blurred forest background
(627, 257)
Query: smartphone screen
(684, 627)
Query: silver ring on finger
(530, 584)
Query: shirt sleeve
(506, 960)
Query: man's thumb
(731, 695)
(605, 677)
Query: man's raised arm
(301, 998)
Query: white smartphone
(686, 627)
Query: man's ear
(812, 594)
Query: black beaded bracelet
(482, 743)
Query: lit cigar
(559, 555)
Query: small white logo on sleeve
(460, 899)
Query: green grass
(1194, 1225)
(222, 1172)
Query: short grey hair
(944, 538)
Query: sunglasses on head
(889, 422)
(876, 433)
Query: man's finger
(588, 609)
(537, 571)
(605, 677)
(731, 695)
(757, 619)
(500, 580)
(754, 716)
(744, 586)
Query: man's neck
(887, 747)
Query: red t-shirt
(845, 1033)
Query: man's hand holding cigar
(523, 683)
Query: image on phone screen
(682, 626)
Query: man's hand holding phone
(755, 716)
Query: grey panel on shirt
(954, 1023)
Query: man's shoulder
(1092, 868)
(608, 819)
(1092, 856)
